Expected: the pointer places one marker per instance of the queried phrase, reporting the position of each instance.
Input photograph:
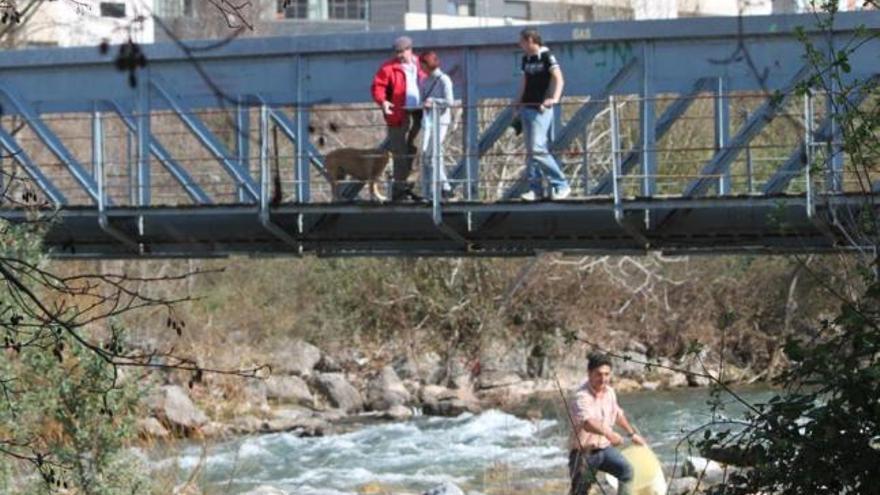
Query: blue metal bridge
(685, 136)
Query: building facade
(63, 23)
(70, 23)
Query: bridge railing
(606, 158)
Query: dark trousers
(403, 148)
(582, 467)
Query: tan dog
(361, 164)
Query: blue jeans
(539, 162)
(582, 468)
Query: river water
(482, 452)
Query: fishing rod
(577, 437)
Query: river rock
(698, 379)
(254, 395)
(339, 392)
(434, 393)
(504, 358)
(386, 390)
(636, 346)
(507, 396)
(683, 486)
(289, 390)
(301, 421)
(674, 379)
(171, 405)
(733, 374)
(458, 373)
(446, 488)
(705, 470)
(296, 357)
(662, 371)
(398, 413)
(422, 367)
(626, 385)
(265, 490)
(648, 385)
(500, 378)
(151, 428)
(451, 407)
(630, 365)
(329, 364)
(246, 425)
(442, 401)
(215, 429)
(413, 387)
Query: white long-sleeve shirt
(437, 88)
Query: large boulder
(626, 385)
(504, 359)
(451, 407)
(386, 390)
(296, 357)
(505, 397)
(458, 372)
(339, 392)
(301, 421)
(683, 486)
(446, 488)
(173, 407)
(494, 379)
(441, 401)
(631, 365)
(289, 390)
(398, 413)
(707, 471)
(670, 378)
(254, 395)
(424, 367)
(436, 393)
(151, 428)
(329, 364)
(246, 425)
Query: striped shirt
(586, 404)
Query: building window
(323, 9)
(517, 9)
(580, 13)
(296, 9)
(112, 9)
(461, 7)
(348, 9)
(169, 9)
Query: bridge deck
(709, 225)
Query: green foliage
(65, 416)
(818, 435)
(821, 433)
(74, 415)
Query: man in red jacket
(396, 90)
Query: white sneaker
(561, 193)
(528, 196)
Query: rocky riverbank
(312, 392)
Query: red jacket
(389, 83)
